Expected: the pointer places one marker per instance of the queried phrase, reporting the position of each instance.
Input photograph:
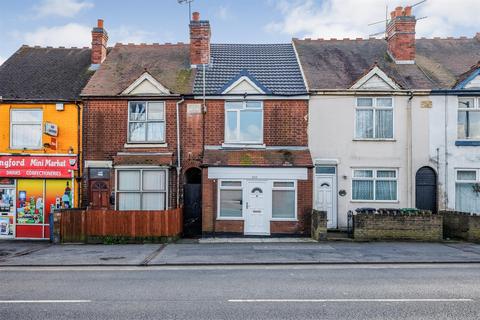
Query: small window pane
(254, 104)
(231, 183)
(26, 116)
(283, 204)
(386, 190)
(153, 180)
(363, 174)
(384, 102)
(364, 124)
(129, 201)
(386, 174)
(155, 111)
(153, 201)
(231, 134)
(384, 124)
(233, 105)
(466, 175)
(325, 170)
(137, 131)
(283, 185)
(474, 125)
(466, 103)
(230, 203)
(128, 180)
(27, 135)
(462, 125)
(96, 173)
(156, 131)
(362, 190)
(364, 102)
(137, 111)
(250, 126)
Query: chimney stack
(199, 40)
(401, 35)
(99, 43)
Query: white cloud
(128, 34)
(63, 8)
(223, 13)
(69, 35)
(350, 18)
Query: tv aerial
(189, 2)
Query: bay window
(374, 118)
(141, 189)
(467, 190)
(283, 200)
(374, 185)
(243, 122)
(146, 121)
(230, 197)
(468, 126)
(26, 129)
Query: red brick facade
(401, 34)
(99, 43)
(199, 40)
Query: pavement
(327, 292)
(19, 253)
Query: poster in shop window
(30, 201)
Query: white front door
(257, 219)
(325, 198)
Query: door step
(336, 235)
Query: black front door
(192, 210)
(426, 189)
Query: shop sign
(51, 129)
(37, 166)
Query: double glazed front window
(374, 185)
(26, 129)
(283, 200)
(468, 126)
(146, 121)
(374, 118)
(141, 189)
(231, 199)
(467, 190)
(243, 122)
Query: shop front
(31, 187)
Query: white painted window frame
(241, 188)
(141, 169)
(374, 178)
(238, 111)
(295, 190)
(18, 147)
(146, 121)
(477, 175)
(374, 108)
(476, 108)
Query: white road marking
(350, 300)
(44, 301)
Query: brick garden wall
(461, 225)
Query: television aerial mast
(189, 2)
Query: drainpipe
(80, 154)
(179, 153)
(445, 187)
(409, 150)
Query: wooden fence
(82, 225)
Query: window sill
(145, 145)
(283, 220)
(374, 140)
(243, 145)
(25, 148)
(374, 201)
(467, 143)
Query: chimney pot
(100, 23)
(398, 11)
(196, 16)
(408, 11)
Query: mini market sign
(37, 166)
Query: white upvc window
(467, 190)
(26, 128)
(374, 118)
(375, 185)
(230, 199)
(244, 122)
(284, 200)
(146, 122)
(141, 189)
(468, 125)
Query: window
(374, 184)
(230, 199)
(325, 170)
(141, 189)
(26, 129)
(146, 122)
(374, 118)
(467, 190)
(243, 122)
(468, 126)
(283, 200)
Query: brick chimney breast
(99, 43)
(401, 35)
(199, 40)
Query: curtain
(128, 180)
(384, 124)
(364, 124)
(466, 199)
(386, 190)
(362, 189)
(128, 201)
(153, 180)
(156, 131)
(153, 201)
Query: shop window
(468, 126)
(141, 189)
(146, 122)
(374, 118)
(374, 185)
(26, 129)
(243, 122)
(467, 190)
(230, 199)
(283, 200)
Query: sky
(68, 23)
